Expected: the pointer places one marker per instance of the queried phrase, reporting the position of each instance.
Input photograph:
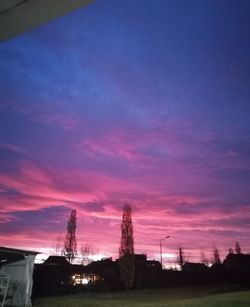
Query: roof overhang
(18, 16)
(9, 255)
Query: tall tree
(126, 250)
(127, 240)
(237, 248)
(70, 250)
(127, 270)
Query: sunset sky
(139, 102)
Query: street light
(161, 247)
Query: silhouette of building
(237, 262)
(56, 276)
(127, 240)
(237, 268)
(193, 267)
(56, 260)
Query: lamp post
(161, 247)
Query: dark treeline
(57, 276)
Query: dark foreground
(219, 296)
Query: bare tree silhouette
(216, 255)
(237, 248)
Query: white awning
(17, 266)
(18, 16)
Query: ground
(222, 296)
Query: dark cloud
(46, 220)
(237, 176)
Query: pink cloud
(42, 187)
(112, 145)
(99, 199)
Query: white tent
(16, 276)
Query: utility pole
(181, 258)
